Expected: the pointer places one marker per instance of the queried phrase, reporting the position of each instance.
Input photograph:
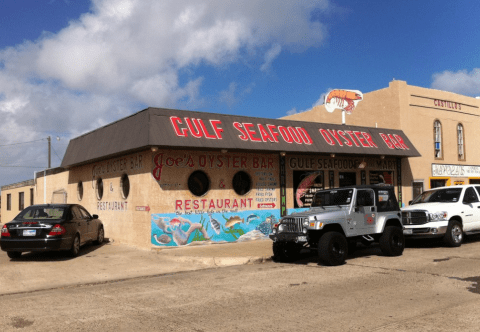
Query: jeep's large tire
(285, 251)
(332, 248)
(392, 241)
(454, 235)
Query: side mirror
(410, 202)
(95, 216)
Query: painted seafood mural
(174, 230)
(345, 100)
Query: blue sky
(70, 66)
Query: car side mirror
(410, 202)
(95, 216)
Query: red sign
(266, 205)
(142, 208)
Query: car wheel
(454, 235)
(333, 248)
(392, 241)
(285, 252)
(101, 236)
(14, 254)
(75, 246)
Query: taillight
(5, 231)
(57, 230)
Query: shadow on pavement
(58, 256)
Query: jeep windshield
(335, 197)
(450, 195)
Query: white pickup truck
(448, 212)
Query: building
(442, 125)
(165, 177)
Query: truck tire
(333, 248)
(285, 251)
(454, 235)
(392, 241)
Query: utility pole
(49, 139)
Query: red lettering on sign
(273, 131)
(401, 142)
(205, 131)
(369, 139)
(334, 133)
(215, 125)
(394, 141)
(251, 132)
(285, 134)
(196, 132)
(387, 141)
(294, 135)
(175, 122)
(342, 134)
(352, 136)
(239, 127)
(304, 135)
(360, 138)
(265, 134)
(327, 137)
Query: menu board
(306, 184)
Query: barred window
(437, 132)
(460, 142)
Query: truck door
(471, 206)
(364, 212)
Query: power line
(23, 142)
(41, 167)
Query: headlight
(305, 222)
(437, 216)
(280, 228)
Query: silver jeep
(337, 220)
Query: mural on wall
(172, 229)
(306, 184)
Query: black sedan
(51, 227)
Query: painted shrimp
(343, 99)
(304, 185)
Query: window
(31, 196)
(80, 191)
(198, 183)
(470, 196)
(437, 133)
(99, 188)
(241, 183)
(125, 185)
(21, 201)
(460, 142)
(9, 202)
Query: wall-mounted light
(382, 157)
(332, 155)
(154, 148)
(363, 164)
(283, 154)
(223, 150)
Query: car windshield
(449, 195)
(332, 197)
(37, 212)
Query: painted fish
(162, 239)
(160, 222)
(251, 217)
(233, 220)
(215, 224)
(343, 99)
(304, 185)
(175, 222)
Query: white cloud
(461, 82)
(128, 54)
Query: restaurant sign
(455, 170)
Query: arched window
(125, 186)
(437, 138)
(460, 142)
(99, 188)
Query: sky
(70, 66)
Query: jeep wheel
(285, 251)
(392, 241)
(332, 248)
(454, 235)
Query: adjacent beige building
(442, 125)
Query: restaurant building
(164, 177)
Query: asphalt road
(429, 288)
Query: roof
(177, 129)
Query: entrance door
(347, 179)
(417, 188)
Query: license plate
(302, 238)
(407, 231)
(28, 232)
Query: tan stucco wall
(8, 215)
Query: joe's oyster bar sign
(455, 170)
